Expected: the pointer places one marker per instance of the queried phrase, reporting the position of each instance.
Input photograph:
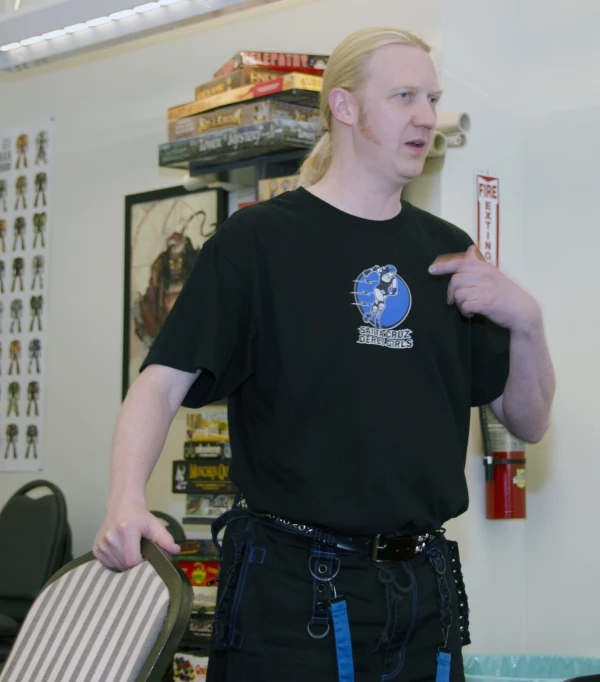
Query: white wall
(561, 96)
(110, 117)
(478, 77)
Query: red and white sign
(488, 218)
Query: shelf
(238, 146)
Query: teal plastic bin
(527, 668)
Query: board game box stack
(259, 102)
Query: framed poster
(164, 232)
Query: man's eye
(404, 95)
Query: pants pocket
(232, 580)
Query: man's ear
(342, 105)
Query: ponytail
(317, 163)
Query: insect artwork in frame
(164, 232)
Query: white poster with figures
(25, 221)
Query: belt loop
(225, 519)
(324, 566)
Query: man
(335, 565)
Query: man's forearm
(139, 438)
(531, 383)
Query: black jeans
(267, 598)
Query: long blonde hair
(346, 69)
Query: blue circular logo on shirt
(382, 297)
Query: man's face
(397, 112)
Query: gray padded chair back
(92, 624)
(36, 541)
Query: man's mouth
(418, 144)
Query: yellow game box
(291, 81)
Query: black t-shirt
(349, 378)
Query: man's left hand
(477, 287)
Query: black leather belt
(380, 548)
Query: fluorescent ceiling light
(140, 9)
(75, 27)
(56, 18)
(99, 21)
(32, 41)
(122, 15)
(53, 34)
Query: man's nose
(425, 115)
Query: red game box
(281, 61)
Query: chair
(95, 624)
(173, 526)
(36, 541)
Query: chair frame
(181, 598)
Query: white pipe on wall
(438, 145)
(453, 122)
(458, 140)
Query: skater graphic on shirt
(387, 286)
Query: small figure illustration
(1, 276)
(22, 145)
(41, 142)
(3, 191)
(38, 270)
(18, 267)
(16, 311)
(32, 437)
(33, 392)
(14, 393)
(41, 182)
(19, 232)
(21, 189)
(3, 235)
(37, 304)
(39, 226)
(14, 351)
(35, 350)
(12, 433)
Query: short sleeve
(490, 354)
(209, 328)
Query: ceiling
(35, 19)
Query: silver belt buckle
(376, 548)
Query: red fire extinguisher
(504, 463)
